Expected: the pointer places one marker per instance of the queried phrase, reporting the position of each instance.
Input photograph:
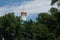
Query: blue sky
(10, 2)
(33, 7)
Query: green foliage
(46, 27)
(53, 2)
(53, 10)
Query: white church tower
(23, 14)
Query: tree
(53, 2)
(28, 30)
(56, 14)
(9, 25)
(49, 22)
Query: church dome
(23, 12)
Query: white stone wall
(23, 18)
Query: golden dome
(23, 12)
